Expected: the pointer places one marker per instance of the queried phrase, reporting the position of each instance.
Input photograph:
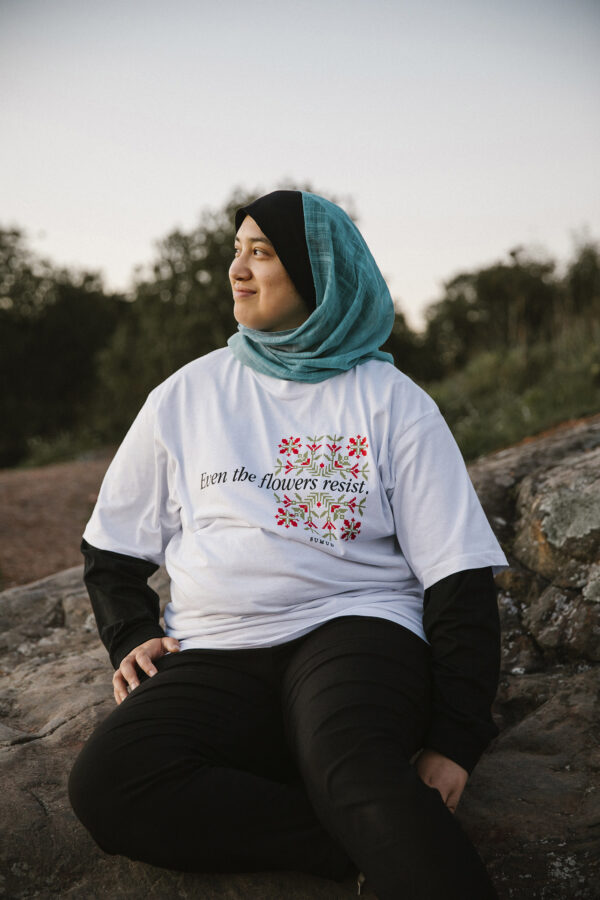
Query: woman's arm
(125, 606)
(462, 625)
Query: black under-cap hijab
(280, 216)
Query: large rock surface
(533, 803)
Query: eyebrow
(256, 240)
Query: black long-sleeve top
(460, 621)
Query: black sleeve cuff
(130, 637)
(459, 742)
(126, 608)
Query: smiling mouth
(242, 292)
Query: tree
(406, 346)
(52, 323)
(499, 306)
(182, 309)
(582, 281)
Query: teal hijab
(354, 311)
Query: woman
(332, 604)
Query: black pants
(290, 757)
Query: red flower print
(350, 530)
(357, 446)
(286, 517)
(289, 445)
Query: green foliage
(582, 282)
(406, 346)
(498, 306)
(52, 323)
(77, 442)
(502, 396)
(27, 283)
(182, 309)
(508, 349)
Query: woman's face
(264, 295)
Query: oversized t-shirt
(278, 505)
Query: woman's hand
(126, 677)
(444, 775)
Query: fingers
(119, 687)
(453, 798)
(128, 669)
(451, 803)
(145, 664)
(127, 678)
(449, 798)
(449, 791)
(444, 775)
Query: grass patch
(63, 447)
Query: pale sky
(459, 129)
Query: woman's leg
(356, 695)
(192, 772)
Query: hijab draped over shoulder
(331, 266)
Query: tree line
(78, 361)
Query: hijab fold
(354, 311)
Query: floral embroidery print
(289, 445)
(357, 446)
(334, 511)
(286, 517)
(307, 460)
(350, 529)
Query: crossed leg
(356, 695)
(292, 757)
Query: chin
(240, 318)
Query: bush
(500, 397)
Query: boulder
(532, 806)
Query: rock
(533, 803)
(564, 624)
(558, 529)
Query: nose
(238, 270)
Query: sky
(457, 129)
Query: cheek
(270, 287)
(281, 286)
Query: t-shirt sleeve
(440, 524)
(137, 512)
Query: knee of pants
(96, 797)
(360, 772)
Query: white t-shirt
(278, 505)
